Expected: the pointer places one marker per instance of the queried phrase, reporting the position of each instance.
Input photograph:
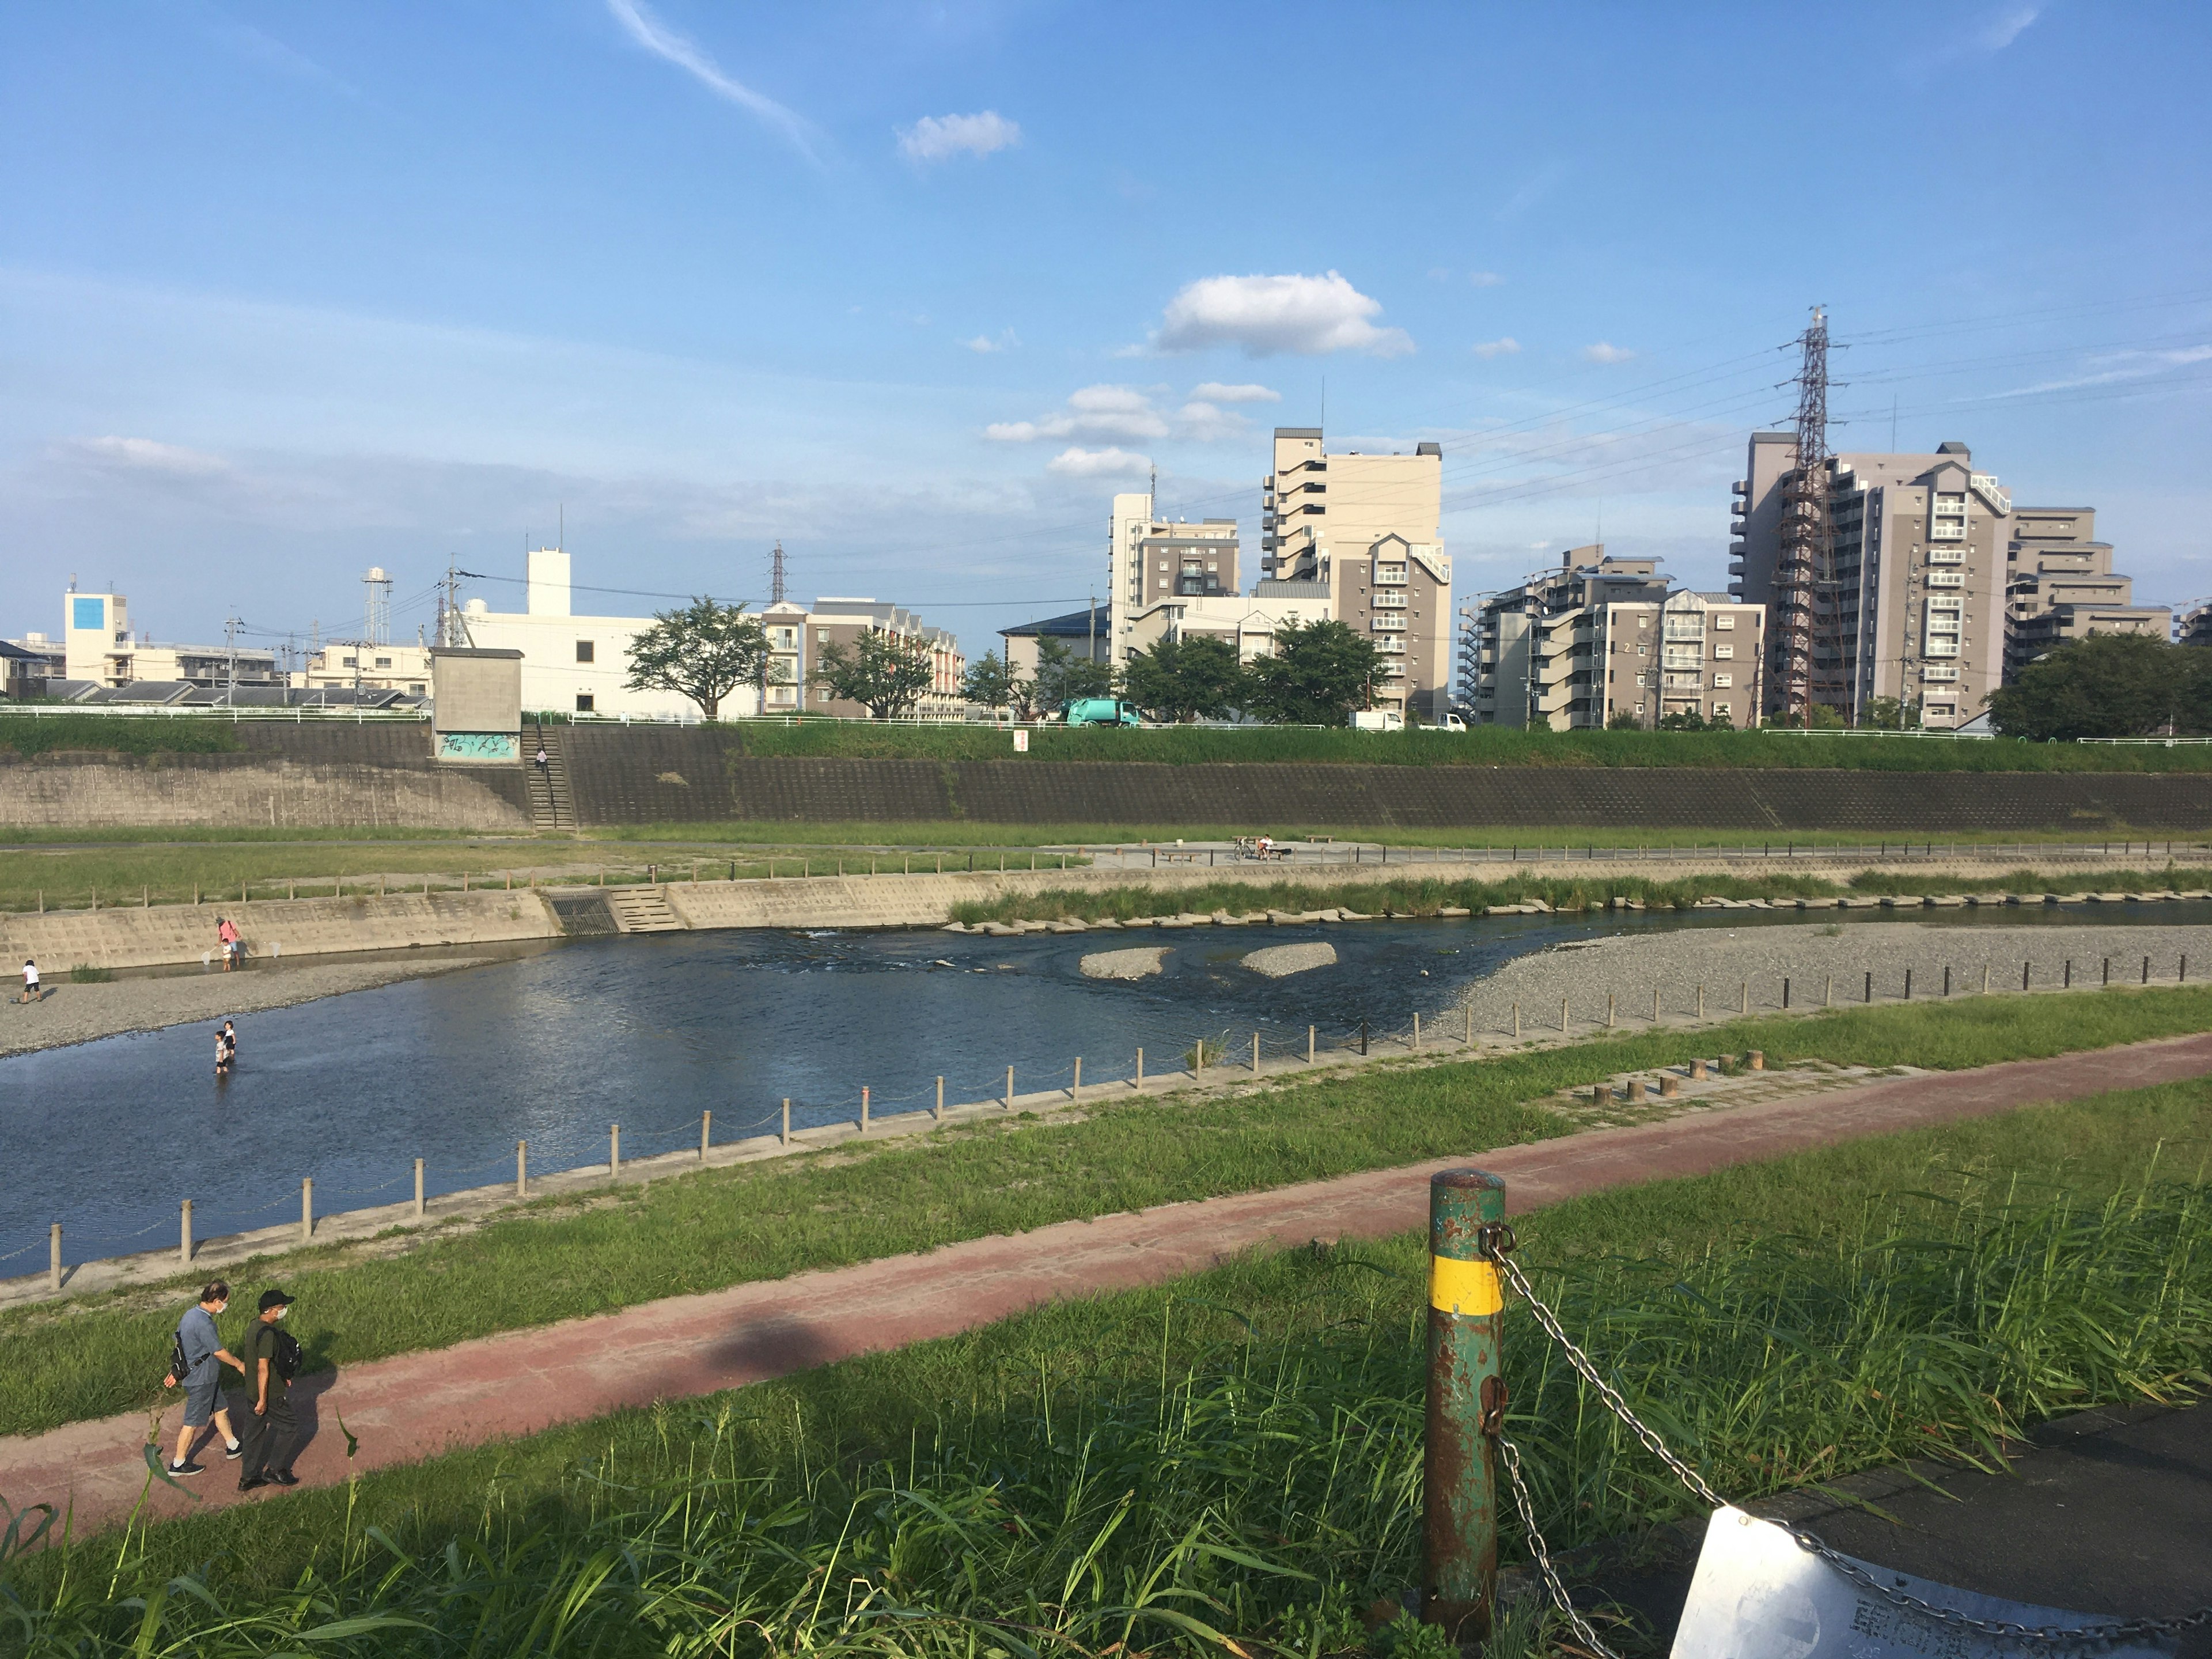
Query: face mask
(283, 1312)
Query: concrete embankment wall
(319, 777)
(181, 934)
(331, 775)
(171, 935)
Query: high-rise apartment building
(1364, 529)
(1150, 559)
(1913, 602)
(2060, 586)
(1598, 638)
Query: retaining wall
(335, 774)
(318, 777)
(170, 935)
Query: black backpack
(285, 1355)
(178, 1365)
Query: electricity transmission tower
(1805, 633)
(775, 576)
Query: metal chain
(1498, 1240)
(1560, 1599)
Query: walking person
(544, 762)
(196, 1361)
(272, 1433)
(31, 991)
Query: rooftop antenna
(775, 574)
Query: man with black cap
(272, 1433)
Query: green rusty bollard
(1466, 1397)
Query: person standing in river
(229, 1040)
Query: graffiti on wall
(479, 746)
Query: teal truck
(1101, 711)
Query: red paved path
(415, 1406)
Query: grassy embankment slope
(1240, 1452)
(562, 1258)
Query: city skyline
(287, 296)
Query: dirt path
(416, 1405)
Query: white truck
(1377, 720)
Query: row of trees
(1318, 674)
(705, 651)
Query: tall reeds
(1165, 1491)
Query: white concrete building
(575, 663)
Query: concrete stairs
(551, 806)
(642, 910)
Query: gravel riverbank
(81, 1013)
(1816, 959)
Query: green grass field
(559, 1259)
(1237, 1452)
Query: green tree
(1689, 720)
(993, 683)
(1825, 717)
(1319, 673)
(885, 672)
(1625, 719)
(1062, 677)
(1183, 680)
(703, 652)
(1889, 714)
(2108, 686)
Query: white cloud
(147, 455)
(1004, 340)
(941, 137)
(2134, 366)
(1486, 279)
(656, 36)
(2007, 27)
(1095, 411)
(1307, 316)
(1205, 422)
(1606, 352)
(1213, 392)
(1541, 185)
(1095, 463)
(1505, 346)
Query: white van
(1377, 720)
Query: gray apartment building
(1599, 637)
(2060, 586)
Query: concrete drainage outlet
(1138, 964)
(1281, 961)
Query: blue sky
(287, 291)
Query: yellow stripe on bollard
(1467, 1288)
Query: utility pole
(230, 627)
(1091, 616)
(1805, 599)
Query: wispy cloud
(1484, 279)
(1606, 352)
(266, 50)
(2007, 27)
(1307, 316)
(1073, 463)
(1213, 392)
(656, 36)
(1503, 347)
(1996, 31)
(941, 137)
(147, 455)
(1538, 186)
(2127, 366)
(1004, 340)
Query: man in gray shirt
(202, 1355)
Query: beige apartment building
(1597, 637)
(798, 635)
(1919, 559)
(2060, 586)
(1364, 529)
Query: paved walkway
(416, 1405)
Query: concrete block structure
(476, 717)
(1599, 637)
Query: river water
(106, 1137)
